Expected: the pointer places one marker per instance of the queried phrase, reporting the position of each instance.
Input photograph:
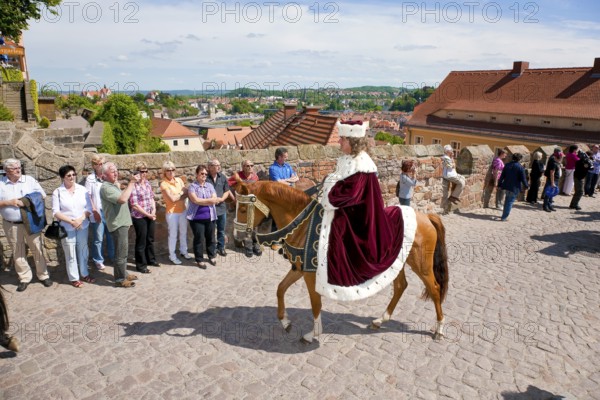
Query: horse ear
(240, 187)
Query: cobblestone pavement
(522, 317)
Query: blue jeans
(99, 230)
(75, 246)
(509, 200)
(220, 223)
(548, 201)
(591, 180)
(404, 202)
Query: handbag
(551, 191)
(55, 231)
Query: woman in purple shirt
(202, 214)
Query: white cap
(355, 129)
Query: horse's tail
(3, 313)
(440, 257)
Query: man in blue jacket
(512, 181)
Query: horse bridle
(251, 201)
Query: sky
(277, 45)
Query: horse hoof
(437, 336)
(374, 326)
(12, 344)
(288, 328)
(304, 341)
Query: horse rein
(251, 201)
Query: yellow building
(531, 107)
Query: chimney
(519, 67)
(596, 68)
(312, 110)
(289, 110)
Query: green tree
(129, 129)
(14, 14)
(386, 137)
(108, 140)
(242, 106)
(73, 103)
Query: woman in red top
(571, 159)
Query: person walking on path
(512, 181)
(582, 166)
(492, 180)
(537, 171)
(591, 179)
(552, 174)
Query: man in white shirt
(93, 183)
(12, 188)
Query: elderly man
(281, 171)
(118, 219)
(219, 181)
(93, 183)
(450, 176)
(13, 187)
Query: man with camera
(582, 166)
(118, 219)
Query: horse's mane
(282, 192)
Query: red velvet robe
(365, 237)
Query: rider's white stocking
(316, 332)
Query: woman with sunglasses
(174, 194)
(202, 215)
(143, 216)
(71, 205)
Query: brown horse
(427, 257)
(8, 342)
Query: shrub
(44, 123)
(6, 114)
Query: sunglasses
(202, 173)
(249, 165)
(70, 175)
(143, 171)
(169, 170)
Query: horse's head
(250, 210)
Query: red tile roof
(168, 128)
(547, 92)
(229, 136)
(306, 127)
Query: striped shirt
(143, 196)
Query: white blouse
(74, 205)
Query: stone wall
(312, 162)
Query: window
(546, 121)
(517, 121)
(175, 143)
(492, 119)
(186, 142)
(577, 124)
(449, 115)
(470, 116)
(419, 140)
(456, 148)
(436, 141)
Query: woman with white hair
(174, 193)
(449, 176)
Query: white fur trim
(348, 166)
(356, 131)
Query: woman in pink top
(492, 180)
(571, 158)
(174, 194)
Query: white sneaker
(187, 256)
(175, 261)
